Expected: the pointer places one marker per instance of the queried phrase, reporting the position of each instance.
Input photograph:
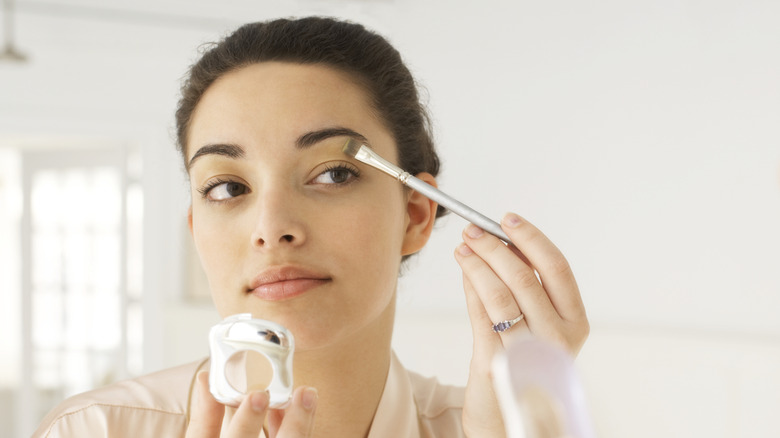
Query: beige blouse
(158, 405)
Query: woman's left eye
(340, 175)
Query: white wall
(641, 136)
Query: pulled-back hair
(349, 47)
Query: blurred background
(642, 136)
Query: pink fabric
(158, 405)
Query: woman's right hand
(207, 415)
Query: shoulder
(159, 401)
(440, 407)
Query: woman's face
(287, 227)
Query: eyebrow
(303, 142)
(227, 150)
(311, 138)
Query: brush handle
(366, 155)
(456, 206)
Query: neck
(350, 377)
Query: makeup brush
(365, 154)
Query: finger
(554, 270)
(275, 418)
(486, 343)
(495, 297)
(248, 420)
(518, 277)
(207, 413)
(298, 419)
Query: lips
(286, 282)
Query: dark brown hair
(367, 57)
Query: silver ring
(506, 325)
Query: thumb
(207, 413)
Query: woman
(290, 229)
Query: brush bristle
(351, 147)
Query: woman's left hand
(500, 282)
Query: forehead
(278, 100)
(291, 79)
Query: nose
(279, 221)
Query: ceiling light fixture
(10, 53)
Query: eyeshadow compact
(242, 333)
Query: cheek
(215, 244)
(373, 235)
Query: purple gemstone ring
(506, 325)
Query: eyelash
(204, 191)
(349, 168)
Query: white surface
(680, 383)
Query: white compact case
(241, 332)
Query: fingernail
(464, 250)
(259, 401)
(474, 231)
(512, 220)
(309, 398)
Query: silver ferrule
(370, 157)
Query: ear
(189, 218)
(420, 215)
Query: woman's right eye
(223, 190)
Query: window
(80, 294)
